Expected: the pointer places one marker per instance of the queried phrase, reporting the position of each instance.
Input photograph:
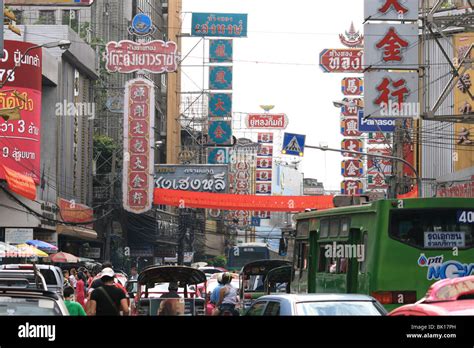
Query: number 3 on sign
(466, 217)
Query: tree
(220, 261)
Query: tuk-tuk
(253, 277)
(153, 283)
(278, 280)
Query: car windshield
(337, 308)
(24, 306)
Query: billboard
(219, 24)
(20, 137)
(197, 178)
(139, 137)
(155, 56)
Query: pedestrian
(228, 296)
(172, 291)
(74, 308)
(107, 300)
(133, 273)
(66, 278)
(72, 277)
(80, 289)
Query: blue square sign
(293, 144)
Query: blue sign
(465, 217)
(439, 268)
(220, 51)
(220, 105)
(219, 24)
(220, 132)
(142, 25)
(220, 77)
(218, 155)
(373, 124)
(256, 221)
(293, 144)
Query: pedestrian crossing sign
(293, 144)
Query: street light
(62, 44)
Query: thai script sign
(20, 107)
(70, 211)
(269, 121)
(139, 137)
(220, 51)
(219, 24)
(198, 178)
(443, 240)
(154, 56)
(345, 60)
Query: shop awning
(76, 232)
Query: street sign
(373, 124)
(352, 187)
(352, 86)
(352, 145)
(352, 168)
(345, 60)
(293, 144)
(220, 105)
(269, 121)
(220, 77)
(220, 51)
(350, 127)
(219, 24)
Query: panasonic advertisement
(376, 124)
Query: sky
(278, 64)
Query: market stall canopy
(42, 245)
(26, 250)
(63, 257)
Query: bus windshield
(433, 228)
(240, 256)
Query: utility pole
(182, 216)
(397, 167)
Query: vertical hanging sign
(139, 137)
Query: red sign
(264, 163)
(264, 175)
(352, 86)
(264, 189)
(265, 150)
(139, 123)
(267, 121)
(265, 138)
(20, 140)
(350, 127)
(352, 168)
(376, 181)
(379, 165)
(354, 104)
(70, 211)
(352, 187)
(452, 189)
(20, 184)
(379, 138)
(352, 145)
(344, 60)
(154, 56)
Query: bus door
(355, 241)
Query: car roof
(318, 297)
(28, 292)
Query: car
(31, 279)
(31, 302)
(52, 274)
(316, 304)
(445, 297)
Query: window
(19, 16)
(363, 264)
(433, 229)
(257, 309)
(46, 17)
(345, 227)
(334, 227)
(273, 309)
(322, 259)
(324, 229)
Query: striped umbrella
(26, 250)
(63, 257)
(42, 245)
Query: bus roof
(416, 203)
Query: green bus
(392, 250)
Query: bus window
(345, 227)
(322, 259)
(432, 228)
(334, 227)
(324, 232)
(363, 263)
(342, 266)
(305, 256)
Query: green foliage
(218, 261)
(104, 148)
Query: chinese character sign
(139, 123)
(352, 168)
(20, 134)
(220, 132)
(265, 138)
(350, 127)
(220, 78)
(389, 46)
(220, 105)
(391, 10)
(391, 95)
(351, 145)
(352, 187)
(352, 86)
(220, 51)
(219, 24)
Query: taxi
(445, 297)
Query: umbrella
(42, 245)
(26, 250)
(63, 257)
(7, 250)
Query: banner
(20, 184)
(20, 109)
(202, 200)
(70, 211)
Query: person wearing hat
(107, 299)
